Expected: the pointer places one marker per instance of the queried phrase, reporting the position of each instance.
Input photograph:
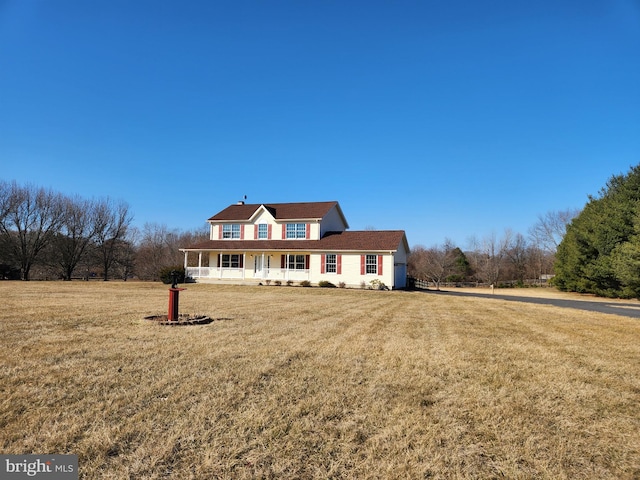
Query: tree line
(494, 260)
(45, 234)
(593, 250)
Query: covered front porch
(255, 266)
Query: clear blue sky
(443, 118)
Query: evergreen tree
(461, 268)
(600, 246)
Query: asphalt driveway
(626, 309)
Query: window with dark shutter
(371, 264)
(331, 263)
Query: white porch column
(244, 264)
(286, 266)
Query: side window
(331, 263)
(372, 264)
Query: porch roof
(365, 240)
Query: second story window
(231, 231)
(263, 231)
(296, 230)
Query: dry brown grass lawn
(316, 383)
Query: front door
(261, 266)
(258, 266)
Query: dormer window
(296, 230)
(263, 231)
(230, 231)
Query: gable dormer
(262, 221)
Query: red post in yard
(174, 293)
(173, 304)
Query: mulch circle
(183, 319)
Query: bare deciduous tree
(159, 248)
(155, 251)
(517, 252)
(488, 256)
(550, 228)
(125, 258)
(31, 220)
(76, 234)
(434, 264)
(6, 199)
(111, 221)
(416, 262)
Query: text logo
(46, 467)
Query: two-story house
(251, 243)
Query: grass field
(292, 382)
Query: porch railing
(239, 273)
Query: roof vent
(241, 202)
